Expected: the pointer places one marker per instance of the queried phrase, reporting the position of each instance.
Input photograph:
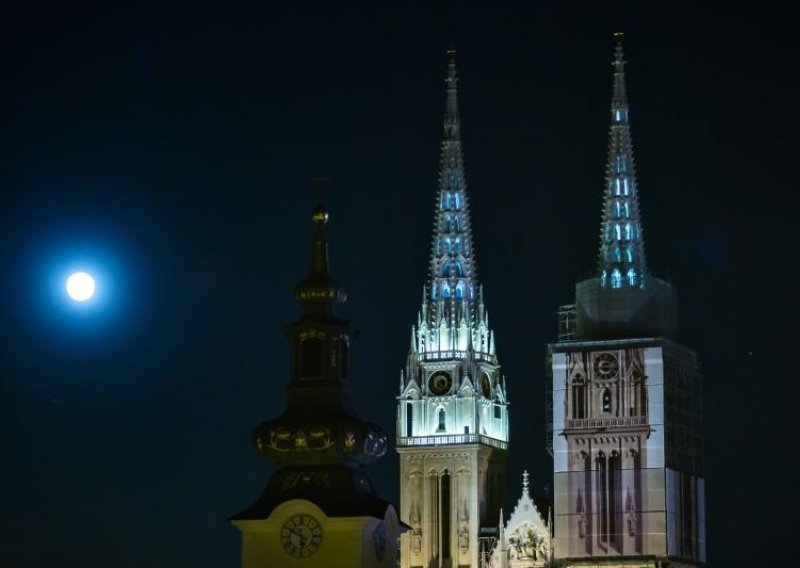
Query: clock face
(606, 366)
(440, 383)
(379, 541)
(486, 386)
(301, 535)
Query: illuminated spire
(621, 261)
(452, 265)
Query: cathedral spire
(452, 264)
(621, 261)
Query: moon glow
(80, 286)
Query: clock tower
(452, 409)
(319, 508)
(625, 399)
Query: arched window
(616, 278)
(607, 400)
(445, 290)
(631, 276)
(442, 420)
(458, 201)
(618, 232)
(460, 290)
(311, 358)
(629, 254)
(625, 184)
(578, 397)
(459, 268)
(627, 210)
(603, 278)
(446, 268)
(618, 208)
(628, 231)
(616, 186)
(447, 245)
(617, 254)
(409, 419)
(457, 245)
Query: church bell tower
(452, 409)
(319, 508)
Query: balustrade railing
(446, 440)
(606, 422)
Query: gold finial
(319, 180)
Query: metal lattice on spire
(621, 261)
(452, 264)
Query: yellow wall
(347, 542)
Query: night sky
(168, 149)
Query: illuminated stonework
(524, 540)
(625, 405)
(452, 411)
(621, 261)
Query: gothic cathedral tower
(452, 410)
(625, 404)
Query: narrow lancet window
(442, 420)
(607, 400)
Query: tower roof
(452, 262)
(621, 260)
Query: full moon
(80, 286)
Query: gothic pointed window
(457, 201)
(445, 290)
(603, 278)
(447, 245)
(578, 397)
(618, 208)
(627, 211)
(442, 420)
(459, 268)
(607, 400)
(457, 245)
(460, 290)
(617, 255)
(616, 278)
(409, 419)
(446, 268)
(616, 186)
(631, 277)
(628, 232)
(629, 254)
(618, 232)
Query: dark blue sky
(169, 148)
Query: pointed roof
(452, 264)
(621, 260)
